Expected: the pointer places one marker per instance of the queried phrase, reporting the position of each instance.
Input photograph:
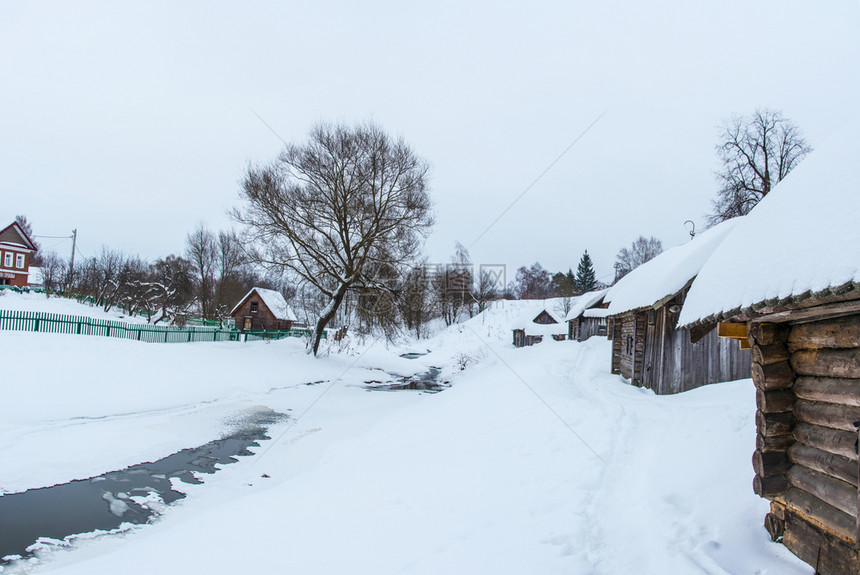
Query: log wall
(807, 379)
(614, 333)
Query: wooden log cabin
(648, 348)
(263, 309)
(587, 316)
(787, 283)
(531, 329)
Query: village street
(534, 460)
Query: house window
(629, 345)
(253, 307)
(7, 259)
(19, 261)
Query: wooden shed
(787, 282)
(648, 348)
(531, 329)
(587, 316)
(263, 309)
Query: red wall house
(16, 249)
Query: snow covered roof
(668, 273)
(802, 239)
(526, 320)
(596, 312)
(14, 235)
(584, 302)
(273, 300)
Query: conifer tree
(585, 277)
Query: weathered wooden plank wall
(589, 327)
(629, 345)
(672, 364)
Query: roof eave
(782, 309)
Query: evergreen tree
(585, 278)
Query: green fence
(204, 322)
(17, 289)
(256, 335)
(81, 325)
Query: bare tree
(129, 288)
(228, 285)
(52, 271)
(202, 251)
(485, 289)
(452, 285)
(170, 287)
(349, 200)
(416, 299)
(532, 283)
(640, 252)
(756, 153)
(102, 273)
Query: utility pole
(72, 260)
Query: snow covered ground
(33, 301)
(535, 460)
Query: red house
(16, 249)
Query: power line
(536, 180)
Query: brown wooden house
(263, 309)
(787, 283)
(532, 329)
(648, 348)
(16, 249)
(587, 316)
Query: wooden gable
(14, 235)
(544, 318)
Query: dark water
(103, 502)
(412, 355)
(427, 382)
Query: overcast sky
(134, 122)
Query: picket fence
(82, 325)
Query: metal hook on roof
(693, 230)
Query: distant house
(531, 329)
(16, 249)
(647, 346)
(587, 316)
(787, 282)
(263, 309)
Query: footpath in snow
(535, 460)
